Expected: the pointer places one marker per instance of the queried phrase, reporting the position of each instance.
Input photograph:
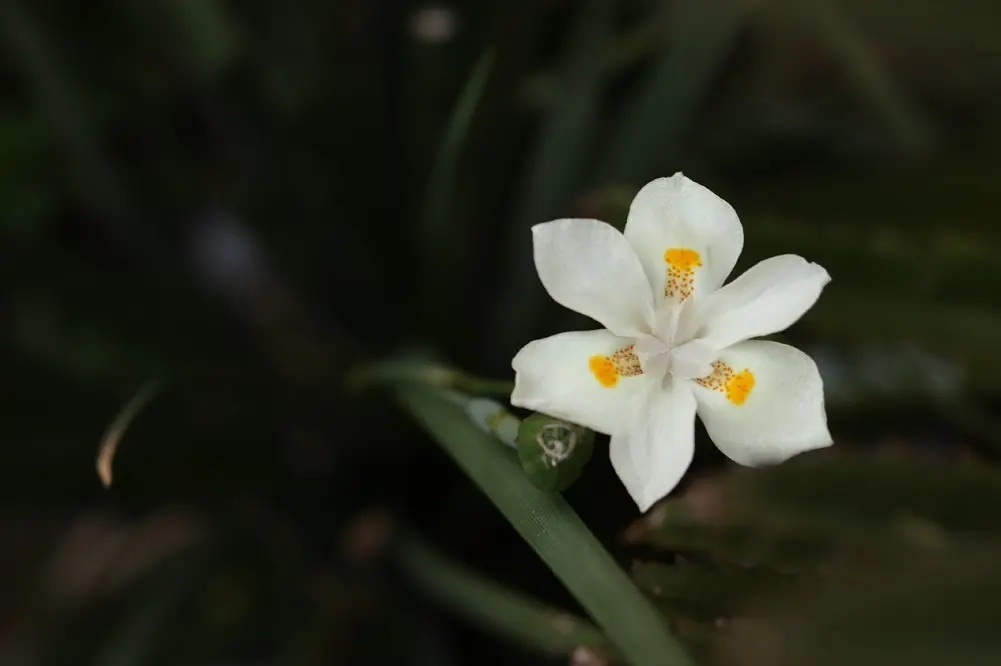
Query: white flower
(676, 341)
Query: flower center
(681, 265)
(736, 386)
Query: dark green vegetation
(246, 200)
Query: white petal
(766, 299)
(652, 452)
(676, 212)
(553, 376)
(692, 360)
(654, 356)
(589, 267)
(782, 414)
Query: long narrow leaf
(552, 528)
(495, 608)
(555, 173)
(653, 124)
(435, 234)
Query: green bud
(553, 452)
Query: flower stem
(551, 527)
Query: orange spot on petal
(683, 258)
(739, 387)
(603, 370)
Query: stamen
(737, 386)
(681, 265)
(608, 369)
(626, 362)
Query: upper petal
(766, 299)
(588, 266)
(654, 448)
(764, 403)
(687, 237)
(566, 376)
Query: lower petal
(763, 403)
(586, 377)
(654, 449)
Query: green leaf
(702, 590)
(479, 600)
(113, 436)
(868, 75)
(206, 35)
(931, 609)
(552, 452)
(550, 526)
(843, 495)
(794, 515)
(435, 233)
(653, 124)
(98, 184)
(671, 527)
(554, 175)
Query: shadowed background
(246, 200)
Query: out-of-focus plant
(266, 196)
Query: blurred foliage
(833, 558)
(249, 199)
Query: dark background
(246, 200)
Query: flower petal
(653, 451)
(677, 214)
(554, 376)
(764, 403)
(589, 267)
(768, 298)
(692, 359)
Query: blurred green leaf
(648, 135)
(704, 591)
(936, 609)
(963, 332)
(206, 35)
(931, 23)
(830, 495)
(436, 234)
(867, 74)
(135, 628)
(97, 181)
(25, 153)
(113, 435)
(497, 609)
(673, 526)
(794, 515)
(556, 166)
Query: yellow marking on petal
(608, 369)
(739, 387)
(603, 370)
(683, 258)
(736, 386)
(681, 265)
